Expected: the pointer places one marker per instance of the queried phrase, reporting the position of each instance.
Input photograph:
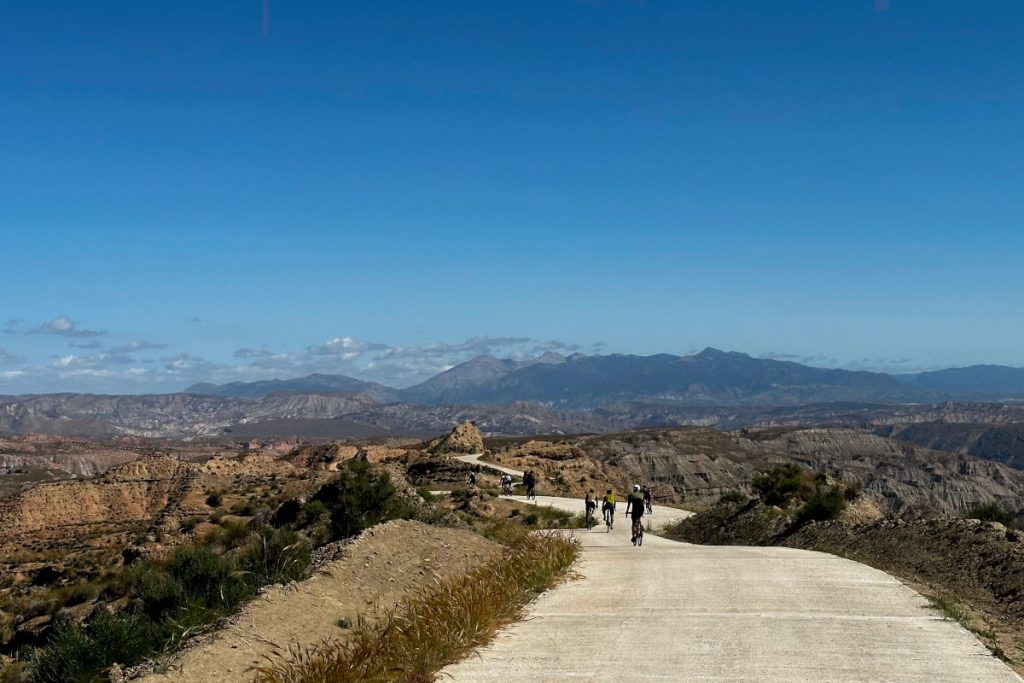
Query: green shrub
(990, 512)
(276, 556)
(732, 497)
(69, 657)
(310, 514)
(233, 533)
(193, 579)
(360, 497)
(78, 655)
(214, 499)
(780, 485)
(824, 503)
(462, 497)
(157, 590)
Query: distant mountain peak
(711, 353)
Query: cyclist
(608, 509)
(506, 483)
(530, 481)
(591, 506)
(635, 509)
(647, 500)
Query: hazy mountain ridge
(708, 378)
(311, 384)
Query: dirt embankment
(978, 565)
(374, 572)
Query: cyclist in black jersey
(635, 509)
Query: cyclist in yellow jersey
(608, 509)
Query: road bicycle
(638, 531)
(589, 516)
(609, 517)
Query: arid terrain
(71, 542)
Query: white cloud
(66, 327)
(137, 345)
(115, 370)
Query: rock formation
(465, 438)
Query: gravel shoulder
(378, 569)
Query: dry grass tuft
(442, 624)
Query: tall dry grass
(440, 625)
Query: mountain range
(708, 378)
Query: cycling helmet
(636, 487)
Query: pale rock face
(465, 438)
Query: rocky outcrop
(464, 438)
(136, 491)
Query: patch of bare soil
(977, 567)
(374, 572)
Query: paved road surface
(474, 459)
(676, 612)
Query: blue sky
(384, 188)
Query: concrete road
(677, 612)
(474, 459)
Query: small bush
(246, 509)
(214, 499)
(826, 502)
(781, 485)
(77, 655)
(233, 533)
(277, 556)
(732, 498)
(311, 513)
(360, 497)
(462, 497)
(990, 512)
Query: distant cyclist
(590, 505)
(635, 509)
(530, 481)
(608, 509)
(647, 500)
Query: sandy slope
(378, 569)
